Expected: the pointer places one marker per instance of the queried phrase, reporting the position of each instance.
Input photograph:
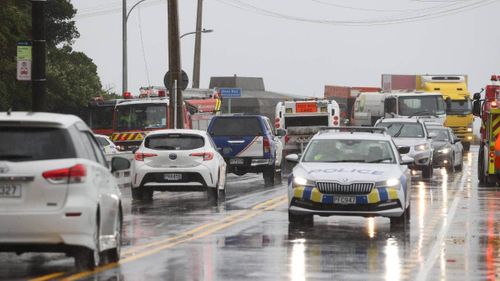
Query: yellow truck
(455, 92)
(458, 100)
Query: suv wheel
(142, 194)
(136, 193)
(269, 175)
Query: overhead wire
(110, 8)
(328, 3)
(457, 8)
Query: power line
(142, 45)
(370, 22)
(116, 7)
(327, 3)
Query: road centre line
(193, 234)
(432, 258)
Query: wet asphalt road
(453, 234)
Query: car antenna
(9, 111)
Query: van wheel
(269, 174)
(113, 255)
(88, 259)
(427, 172)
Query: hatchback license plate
(344, 200)
(10, 190)
(237, 161)
(172, 177)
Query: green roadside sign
(24, 50)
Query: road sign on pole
(184, 82)
(230, 93)
(24, 61)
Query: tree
(71, 76)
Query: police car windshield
(404, 130)
(342, 150)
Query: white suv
(413, 133)
(57, 193)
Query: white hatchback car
(57, 193)
(350, 171)
(177, 160)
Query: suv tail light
(141, 156)
(206, 155)
(267, 145)
(75, 174)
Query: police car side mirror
(292, 158)
(407, 160)
(403, 149)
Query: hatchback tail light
(267, 145)
(141, 156)
(75, 174)
(206, 155)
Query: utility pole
(124, 47)
(39, 55)
(197, 46)
(174, 58)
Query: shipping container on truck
(454, 90)
(345, 97)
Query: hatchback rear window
(236, 127)
(32, 143)
(174, 142)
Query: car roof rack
(358, 129)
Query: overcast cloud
(295, 55)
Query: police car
(353, 171)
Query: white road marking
(438, 244)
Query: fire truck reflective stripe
(139, 137)
(131, 136)
(495, 126)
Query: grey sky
(297, 57)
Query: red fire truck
(488, 110)
(100, 115)
(134, 118)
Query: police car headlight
(422, 147)
(302, 181)
(392, 182)
(444, 151)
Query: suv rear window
(33, 143)
(174, 142)
(237, 126)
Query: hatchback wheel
(88, 259)
(451, 166)
(136, 193)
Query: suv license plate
(172, 177)
(10, 190)
(344, 200)
(237, 161)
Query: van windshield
(236, 126)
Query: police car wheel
(300, 219)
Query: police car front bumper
(385, 202)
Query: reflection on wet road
(453, 235)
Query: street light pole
(124, 48)
(125, 16)
(197, 47)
